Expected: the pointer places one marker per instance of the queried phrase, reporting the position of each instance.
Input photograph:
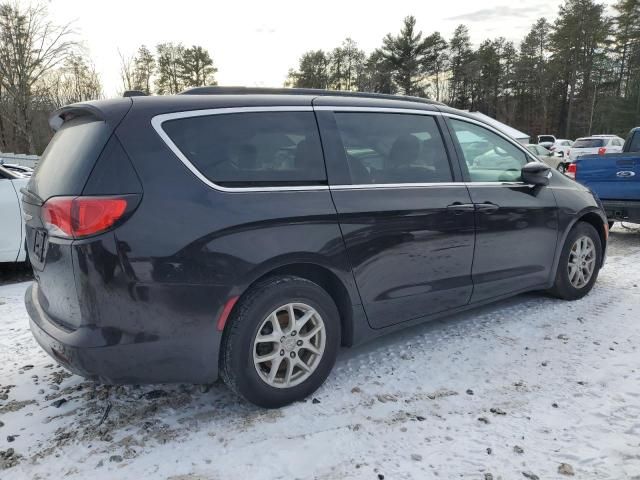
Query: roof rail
(300, 91)
(134, 93)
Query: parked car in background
(595, 144)
(561, 147)
(20, 169)
(546, 141)
(12, 232)
(615, 178)
(547, 157)
(248, 233)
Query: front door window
(488, 156)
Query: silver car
(547, 157)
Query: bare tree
(127, 71)
(76, 81)
(30, 46)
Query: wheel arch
(598, 223)
(326, 279)
(590, 216)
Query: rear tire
(579, 263)
(260, 327)
(561, 167)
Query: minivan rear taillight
(602, 151)
(572, 169)
(77, 217)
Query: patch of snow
(524, 385)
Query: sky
(255, 43)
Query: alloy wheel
(582, 261)
(289, 345)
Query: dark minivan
(248, 233)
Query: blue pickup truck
(615, 178)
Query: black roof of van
(201, 98)
(316, 92)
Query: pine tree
(197, 69)
(460, 57)
(436, 60)
(580, 30)
(170, 57)
(405, 53)
(346, 65)
(377, 75)
(312, 72)
(143, 69)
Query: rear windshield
(68, 159)
(589, 143)
(253, 148)
(546, 138)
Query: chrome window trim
(367, 186)
(158, 120)
(391, 186)
(343, 108)
(387, 186)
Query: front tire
(281, 341)
(579, 263)
(561, 167)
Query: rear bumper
(619, 210)
(97, 354)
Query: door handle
(459, 208)
(487, 207)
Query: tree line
(576, 76)
(171, 70)
(44, 66)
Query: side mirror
(561, 153)
(536, 173)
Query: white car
(546, 140)
(21, 169)
(561, 147)
(12, 233)
(596, 144)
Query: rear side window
(383, 148)
(589, 143)
(253, 148)
(546, 138)
(68, 159)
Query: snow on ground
(523, 385)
